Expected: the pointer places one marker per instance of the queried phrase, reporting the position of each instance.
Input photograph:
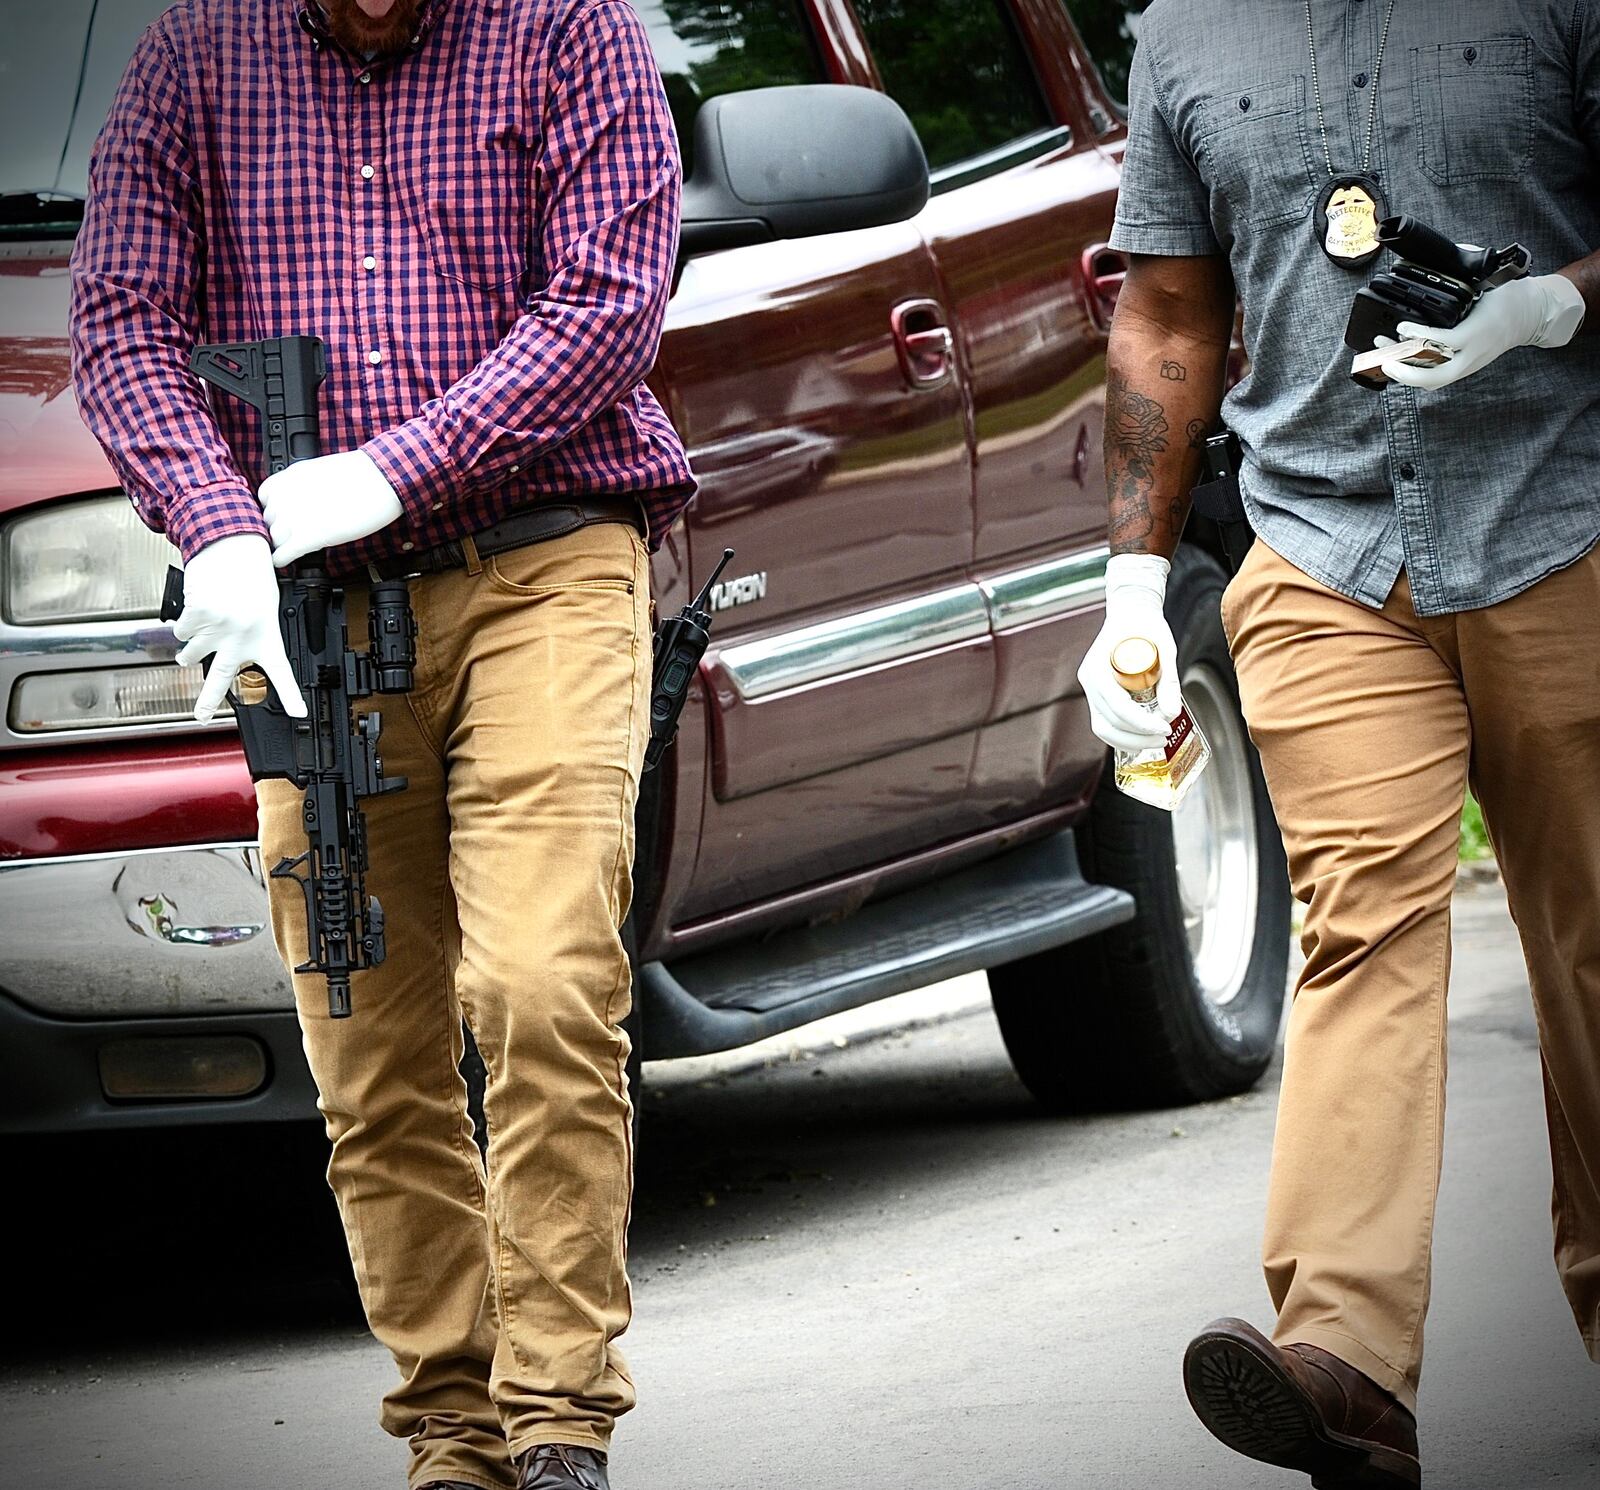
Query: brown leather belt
(531, 525)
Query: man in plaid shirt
(475, 205)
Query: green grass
(1474, 836)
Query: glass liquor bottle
(1162, 775)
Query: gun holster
(1219, 499)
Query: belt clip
(470, 549)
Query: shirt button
(1408, 472)
(438, 506)
(408, 546)
(366, 172)
(369, 262)
(365, 77)
(1360, 80)
(515, 469)
(374, 358)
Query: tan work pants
(1369, 725)
(504, 872)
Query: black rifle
(680, 644)
(331, 755)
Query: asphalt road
(859, 1260)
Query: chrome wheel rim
(1214, 840)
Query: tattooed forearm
(1137, 427)
(1136, 438)
(1149, 473)
(1166, 366)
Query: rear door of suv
(1014, 123)
(823, 410)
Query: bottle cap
(1137, 664)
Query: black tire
(1122, 1020)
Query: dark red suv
(885, 774)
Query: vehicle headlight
(84, 561)
(101, 698)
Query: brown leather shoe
(562, 1466)
(1300, 1408)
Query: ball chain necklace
(1351, 205)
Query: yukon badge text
(745, 590)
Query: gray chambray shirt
(1488, 129)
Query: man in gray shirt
(1421, 607)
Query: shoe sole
(1248, 1401)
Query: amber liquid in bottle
(1161, 776)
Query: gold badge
(1352, 223)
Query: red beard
(361, 34)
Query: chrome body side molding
(849, 644)
(887, 634)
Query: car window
(707, 47)
(59, 69)
(1110, 30)
(957, 67)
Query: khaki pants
(504, 872)
(1369, 726)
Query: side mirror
(799, 161)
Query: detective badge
(1348, 213)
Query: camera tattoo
(1197, 434)
(1174, 372)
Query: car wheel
(1182, 1003)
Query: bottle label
(1182, 728)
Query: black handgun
(680, 644)
(1218, 496)
(330, 754)
(1432, 281)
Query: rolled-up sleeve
(609, 181)
(136, 316)
(1163, 206)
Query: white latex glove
(1541, 312)
(1136, 589)
(318, 503)
(230, 609)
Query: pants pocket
(598, 556)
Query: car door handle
(923, 342)
(1103, 270)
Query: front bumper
(50, 1078)
(148, 944)
(142, 933)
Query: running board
(1027, 900)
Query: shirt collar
(313, 21)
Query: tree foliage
(958, 69)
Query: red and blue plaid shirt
(481, 229)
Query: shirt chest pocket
(476, 216)
(1474, 108)
(1257, 153)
